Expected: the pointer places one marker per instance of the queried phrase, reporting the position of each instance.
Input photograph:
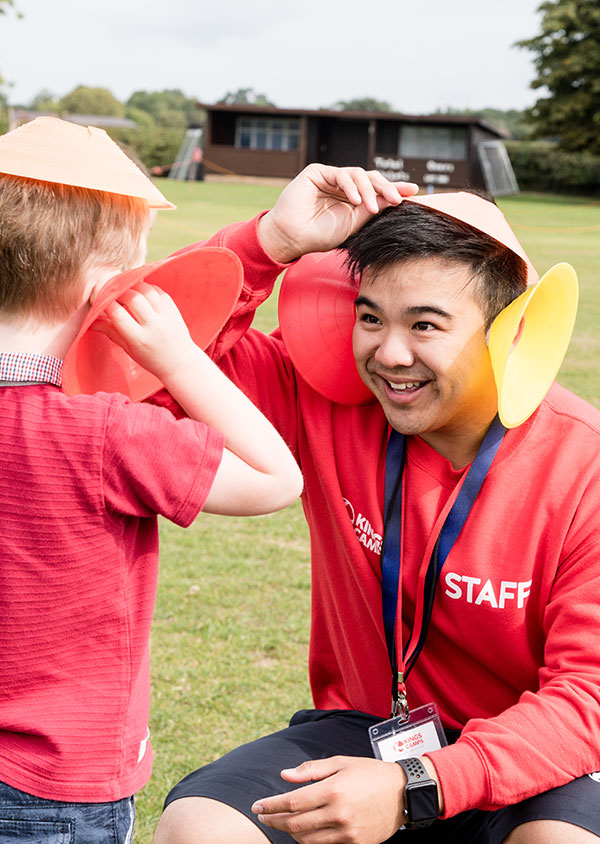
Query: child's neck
(22, 335)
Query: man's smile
(405, 387)
(399, 390)
(396, 385)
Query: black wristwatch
(420, 795)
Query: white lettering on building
(436, 179)
(439, 166)
(389, 163)
(391, 168)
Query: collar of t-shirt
(19, 369)
(432, 462)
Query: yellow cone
(524, 370)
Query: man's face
(420, 345)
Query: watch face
(421, 802)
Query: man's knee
(199, 820)
(550, 832)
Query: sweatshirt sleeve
(260, 275)
(257, 363)
(551, 735)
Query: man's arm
(315, 212)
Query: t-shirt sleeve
(154, 463)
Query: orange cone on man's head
(317, 315)
(480, 214)
(51, 150)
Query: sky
(418, 56)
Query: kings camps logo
(364, 530)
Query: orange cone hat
(53, 150)
(479, 214)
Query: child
(82, 479)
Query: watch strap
(416, 774)
(414, 769)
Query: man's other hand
(350, 800)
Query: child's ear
(95, 281)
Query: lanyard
(392, 546)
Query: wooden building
(441, 151)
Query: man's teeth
(400, 388)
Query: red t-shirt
(81, 481)
(512, 655)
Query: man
(489, 559)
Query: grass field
(231, 626)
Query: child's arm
(258, 473)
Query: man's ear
(516, 338)
(519, 334)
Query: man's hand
(146, 323)
(322, 206)
(350, 800)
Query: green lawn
(231, 627)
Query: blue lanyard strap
(395, 459)
(392, 535)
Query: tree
(514, 121)
(567, 58)
(44, 100)
(245, 96)
(169, 108)
(142, 119)
(362, 104)
(5, 5)
(84, 100)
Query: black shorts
(251, 772)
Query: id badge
(399, 738)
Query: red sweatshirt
(512, 654)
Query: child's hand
(146, 323)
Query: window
(447, 142)
(267, 133)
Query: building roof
(441, 119)
(18, 116)
(101, 120)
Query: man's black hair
(410, 231)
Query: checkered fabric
(22, 366)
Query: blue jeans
(33, 820)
